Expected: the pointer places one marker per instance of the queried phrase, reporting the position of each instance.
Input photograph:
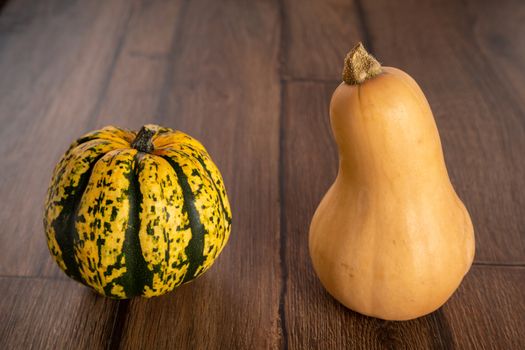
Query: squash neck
(382, 178)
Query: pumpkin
(136, 214)
(390, 239)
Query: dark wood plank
(480, 116)
(52, 314)
(137, 83)
(55, 59)
(489, 309)
(223, 88)
(2, 4)
(498, 33)
(313, 319)
(317, 34)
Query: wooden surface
(252, 81)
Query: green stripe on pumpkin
(213, 181)
(64, 225)
(194, 250)
(202, 158)
(137, 274)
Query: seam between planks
(117, 328)
(291, 79)
(283, 40)
(282, 222)
(509, 264)
(498, 264)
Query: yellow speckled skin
(129, 220)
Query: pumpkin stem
(142, 141)
(360, 66)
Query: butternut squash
(390, 239)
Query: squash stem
(142, 141)
(360, 66)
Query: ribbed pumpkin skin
(128, 223)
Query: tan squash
(390, 239)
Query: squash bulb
(390, 239)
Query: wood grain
(40, 313)
(138, 80)
(56, 58)
(223, 88)
(314, 319)
(488, 311)
(317, 35)
(498, 33)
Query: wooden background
(252, 80)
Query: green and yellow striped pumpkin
(136, 214)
